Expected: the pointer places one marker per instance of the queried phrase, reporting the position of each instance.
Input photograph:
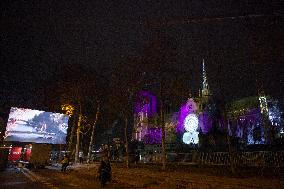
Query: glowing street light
(68, 108)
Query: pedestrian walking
(104, 172)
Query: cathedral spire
(205, 87)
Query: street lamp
(68, 108)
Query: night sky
(242, 43)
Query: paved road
(13, 178)
(51, 178)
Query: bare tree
(76, 86)
(126, 142)
(93, 132)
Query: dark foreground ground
(144, 176)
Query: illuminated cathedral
(253, 120)
(186, 122)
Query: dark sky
(241, 41)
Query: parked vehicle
(40, 155)
(3, 157)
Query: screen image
(26, 125)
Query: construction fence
(253, 159)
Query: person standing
(137, 157)
(65, 163)
(81, 156)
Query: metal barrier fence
(218, 185)
(255, 159)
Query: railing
(254, 159)
(217, 185)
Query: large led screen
(26, 125)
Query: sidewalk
(143, 176)
(74, 166)
(152, 178)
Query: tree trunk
(126, 142)
(93, 133)
(231, 153)
(78, 136)
(71, 138)
(231, 156)
(164, 158)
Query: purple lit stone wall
(146, 103)
(247, 123)
(182, 115)
(205, 122)
(145, 108)
(153, 136)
